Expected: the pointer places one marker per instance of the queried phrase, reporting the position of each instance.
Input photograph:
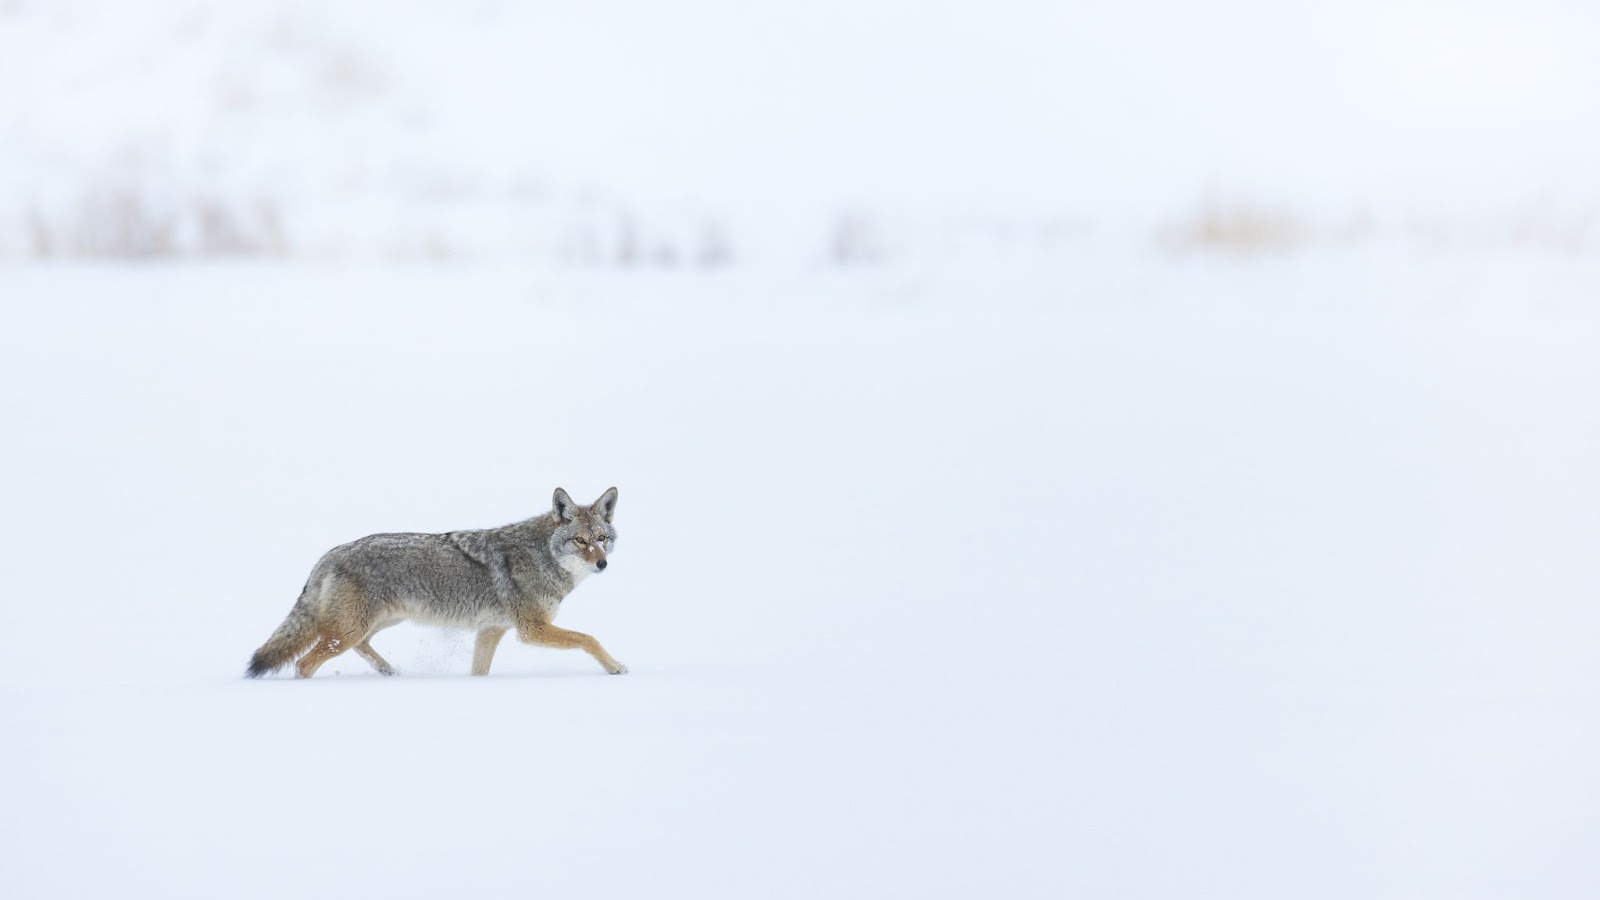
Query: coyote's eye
(580, 542)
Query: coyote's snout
(492, 581)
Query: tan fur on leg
(324, 649)
(546, 635)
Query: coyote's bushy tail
(296, 633)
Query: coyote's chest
(576, 567)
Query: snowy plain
(1139, 579)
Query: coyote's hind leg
(324, 649)
(365, 651)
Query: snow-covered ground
(1136, 579)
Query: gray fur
(499, 578)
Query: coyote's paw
(617, 668)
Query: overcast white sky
(1026, 102)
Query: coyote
(492, 581)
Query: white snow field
(1140, 579)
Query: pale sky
(1000, 105)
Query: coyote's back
(491, 580)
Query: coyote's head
(583, 534)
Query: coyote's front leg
(546, 635)
(483, 652)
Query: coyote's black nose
(601, 565)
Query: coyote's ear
(606, 506)
(563, 505)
